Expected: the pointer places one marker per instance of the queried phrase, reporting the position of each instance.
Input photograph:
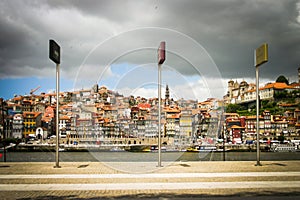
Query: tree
(233, 108)
(281, 95)
(282, 79)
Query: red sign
(161, 53)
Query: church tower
(230, 88)
(167, 96)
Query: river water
(146, 157)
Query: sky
(114, 44)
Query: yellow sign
(261, 55)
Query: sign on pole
(161, 53)
(54, 51)
(54, 55)
(261, 55)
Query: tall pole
(161, 59)
(3, 130)
(260, 57)
(159, 115)
(223, 145)
(54, 55)
(257, 118)
(57, 118)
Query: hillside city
(100, 116)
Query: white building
(244, 92)
(17, 126)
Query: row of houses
(99, 113)
(239, 129)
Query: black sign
(54, 51)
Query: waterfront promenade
(177, 180)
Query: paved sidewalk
(141, 167)
(178, 180)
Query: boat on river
(137, 148)
(202, 148)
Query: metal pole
(159, 115)
(57, 118)
(223, 145)
(257, 119)
(4, 130)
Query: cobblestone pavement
(178, 180)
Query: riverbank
(133, 148)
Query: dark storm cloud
(120, 11)
(231, 30)
(21, 49)
(228, 30)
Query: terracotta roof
(50, 94)
(35, 114)
(18, 98)
(109, 107)
(64, 117)
(231, 114)
(174, 110)
(205, 102)
(250, 91)
(287, 105)
(194, 111)
(295, 85)
(236, 127)
(173, 116)
(253, 117)
(275, 85)
(144, 105)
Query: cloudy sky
(114, 43)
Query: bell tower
(167, 96)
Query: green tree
(281, 95)
(282, 79)
(234, 108)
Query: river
(146, 157)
